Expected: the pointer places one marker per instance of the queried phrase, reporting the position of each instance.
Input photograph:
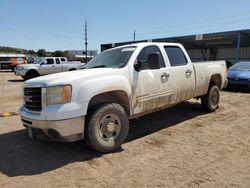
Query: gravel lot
(179, 147)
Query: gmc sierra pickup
(119, 84)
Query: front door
(47, 67)
(58, 66)
(152, 88)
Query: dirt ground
(179, 147)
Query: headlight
(58, 94)
(82, 66)
(19, 68)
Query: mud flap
(30, 133)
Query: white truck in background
(119, 84)
(47, 65)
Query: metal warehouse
(231, 46)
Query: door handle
(189, 71)
(165, 75)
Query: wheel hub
(214, 98)
(110, 126)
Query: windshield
(241, 66)
(39, 60)
(115, 58)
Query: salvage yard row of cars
(238, 75)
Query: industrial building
(232, 46)
(81, 54)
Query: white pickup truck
(47, 65)
(96, 103)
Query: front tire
(210, 101)
(107, 128)
(31, 74)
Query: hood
(238, 74)
(27, 66)
(70, 76)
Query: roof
(226, 39)
(84, 56)
(143, 44)
(12, 55)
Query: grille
(33, 99)
(5, 65)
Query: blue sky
(59, 24)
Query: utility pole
(86, 42)
(134, 36)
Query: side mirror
(153, 61)
(137, 65)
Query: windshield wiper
(99, 66)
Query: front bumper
(67, 130)
(20, 72)
(240, 84)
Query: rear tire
(107, 128)
(210, 101)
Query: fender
(100, 85)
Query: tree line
(39, 53)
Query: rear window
(175, 55)
(241, 66)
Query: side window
(143, 56)
(63, 59)
(57, 61)
(175, 56)
(50, 61)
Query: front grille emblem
(27, 98)
(33, 99)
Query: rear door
(58, 65)
(183, 73)
(152, 87)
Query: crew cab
(95, 104)
(46, 65)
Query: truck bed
(202, 69)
